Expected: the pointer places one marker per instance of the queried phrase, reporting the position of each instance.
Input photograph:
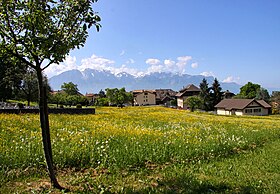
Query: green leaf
(85, 27)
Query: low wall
(51, 111)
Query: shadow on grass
(182, 184)
(189, 184)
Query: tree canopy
(11, 74)
(194, 102)
(37, 31)
(249, 90)
(216, 95)
(70, 88)
(205, 94)
(118, 96)
(262, 94)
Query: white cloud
(169, 63)
(184, 58)
(207, 74)
(231, 79)
(156, 68)
(123, 68)
(68, 64)
(194, 65)
(182, 63)
(95, 62)
(153, 61)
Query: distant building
(243, 107)
(91, 97)
(190, 90)
(164, 96)
(63, 92)
(144, 97)
(227, 94)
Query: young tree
(194, 102)
(118, 96)
(42, 33)
(58, 98)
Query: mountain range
(92, 81)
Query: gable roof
(162, 93)
(240, 104)
(264, 103)
(188, 88)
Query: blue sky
(235, 41)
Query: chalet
(243, 107)
(190, 90)
(144, 97)
(164, 96)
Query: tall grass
(131, 137)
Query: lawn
(143, 150)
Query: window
(248, 110)
(257, 110)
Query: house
(243, 107)
(144, 97)
(91, 97)
(164, 96)
(190, 90)
(227, 94)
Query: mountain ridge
(92, 81)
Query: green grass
(143, 150)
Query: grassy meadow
(143, 150)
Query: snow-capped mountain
(91, 80)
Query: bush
(79, 106)
(275, 111)
(61, 106)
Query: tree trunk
(44, 120)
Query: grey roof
(188, 88)
(240, 104)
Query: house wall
(258, 111)
(224, 112)
(181, 102)
(253, 110)
(239, 112)
(145, 98)
(221, 111)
